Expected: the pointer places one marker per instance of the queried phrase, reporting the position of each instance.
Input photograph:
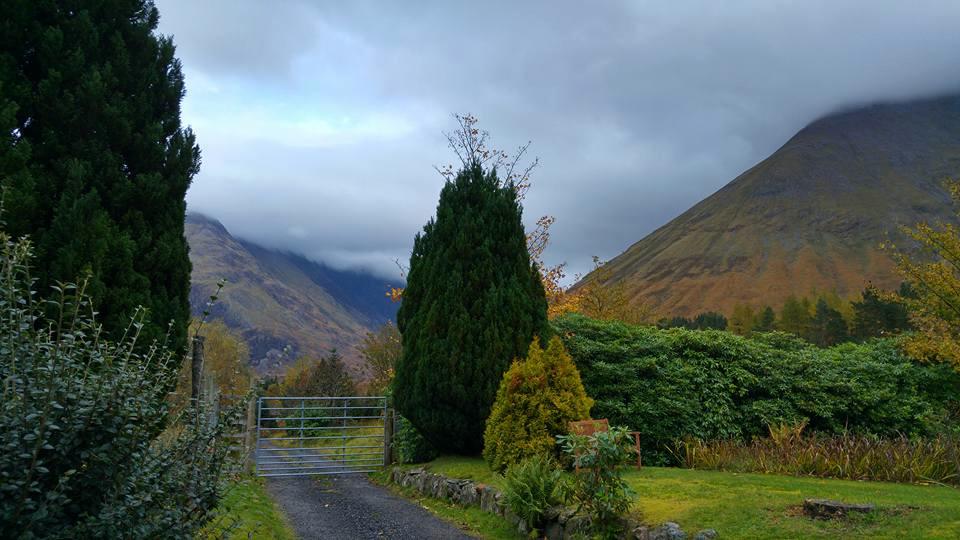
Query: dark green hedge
(670, 384)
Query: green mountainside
(809, 217)
(280, 300)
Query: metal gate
(298, 436)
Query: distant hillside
(279, 300)
(810, 216)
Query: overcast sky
(320, 121)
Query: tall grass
(853, 457)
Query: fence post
(196, 370)
(387, 436)
(250, 426)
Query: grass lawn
(248, 512)
(741, 505)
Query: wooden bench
(589, 427)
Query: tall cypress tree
(474, 302)
(93, 156)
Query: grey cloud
(636, 109)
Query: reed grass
(853, 457)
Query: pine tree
(874, 315)
(710, 320)
(93, 155)
(827, 327)
(473, 303)
(766, 321)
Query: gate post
(249, 436)
(196, 370)
(387, 437)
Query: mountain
(279, 300)
(809, 217)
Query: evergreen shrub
(88, 446)
(537, 398)
(713, 385)
(410, 445)
(474, 301)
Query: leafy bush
(711, 385)
(87, 452)
(410, 445)
(848, 456)
(538, 397)
(597, 486)
(532, 486)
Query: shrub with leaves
(711, 385)
(597, 487)
(87, 450)
(410, 445)
(532, 486)
(537, 399)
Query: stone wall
(562, 523)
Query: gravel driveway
(351, 507)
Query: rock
(828, 509)
(553, 531)
(488, 500)
(576, 525)
(706, 534)
(565, 515)
(640, 533)
(468, 494)
(501, 507)
(668, 531)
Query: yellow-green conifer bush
(537, 398)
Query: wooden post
(388, 437)
(196, 370)
(249, 438)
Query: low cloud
(320, 122)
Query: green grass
(248, 512)
(472, 520)
(759, 506)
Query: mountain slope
(279, 300)
(809, 217)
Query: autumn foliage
(935, 279)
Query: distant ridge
(279, 300)
(809, 217)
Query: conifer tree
(827, 327)
(93, 156)
(473, 303)
(766, 320)
(537, 399)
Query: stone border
(562, 523)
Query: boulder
(706, 534)
(829, 509)
(641, 532)
(469, 495)
(668, 531)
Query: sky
(320, 122)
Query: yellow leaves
(395, 294)
(935, 311)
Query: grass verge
(761, 506)
(248, 512)
(471, 520)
